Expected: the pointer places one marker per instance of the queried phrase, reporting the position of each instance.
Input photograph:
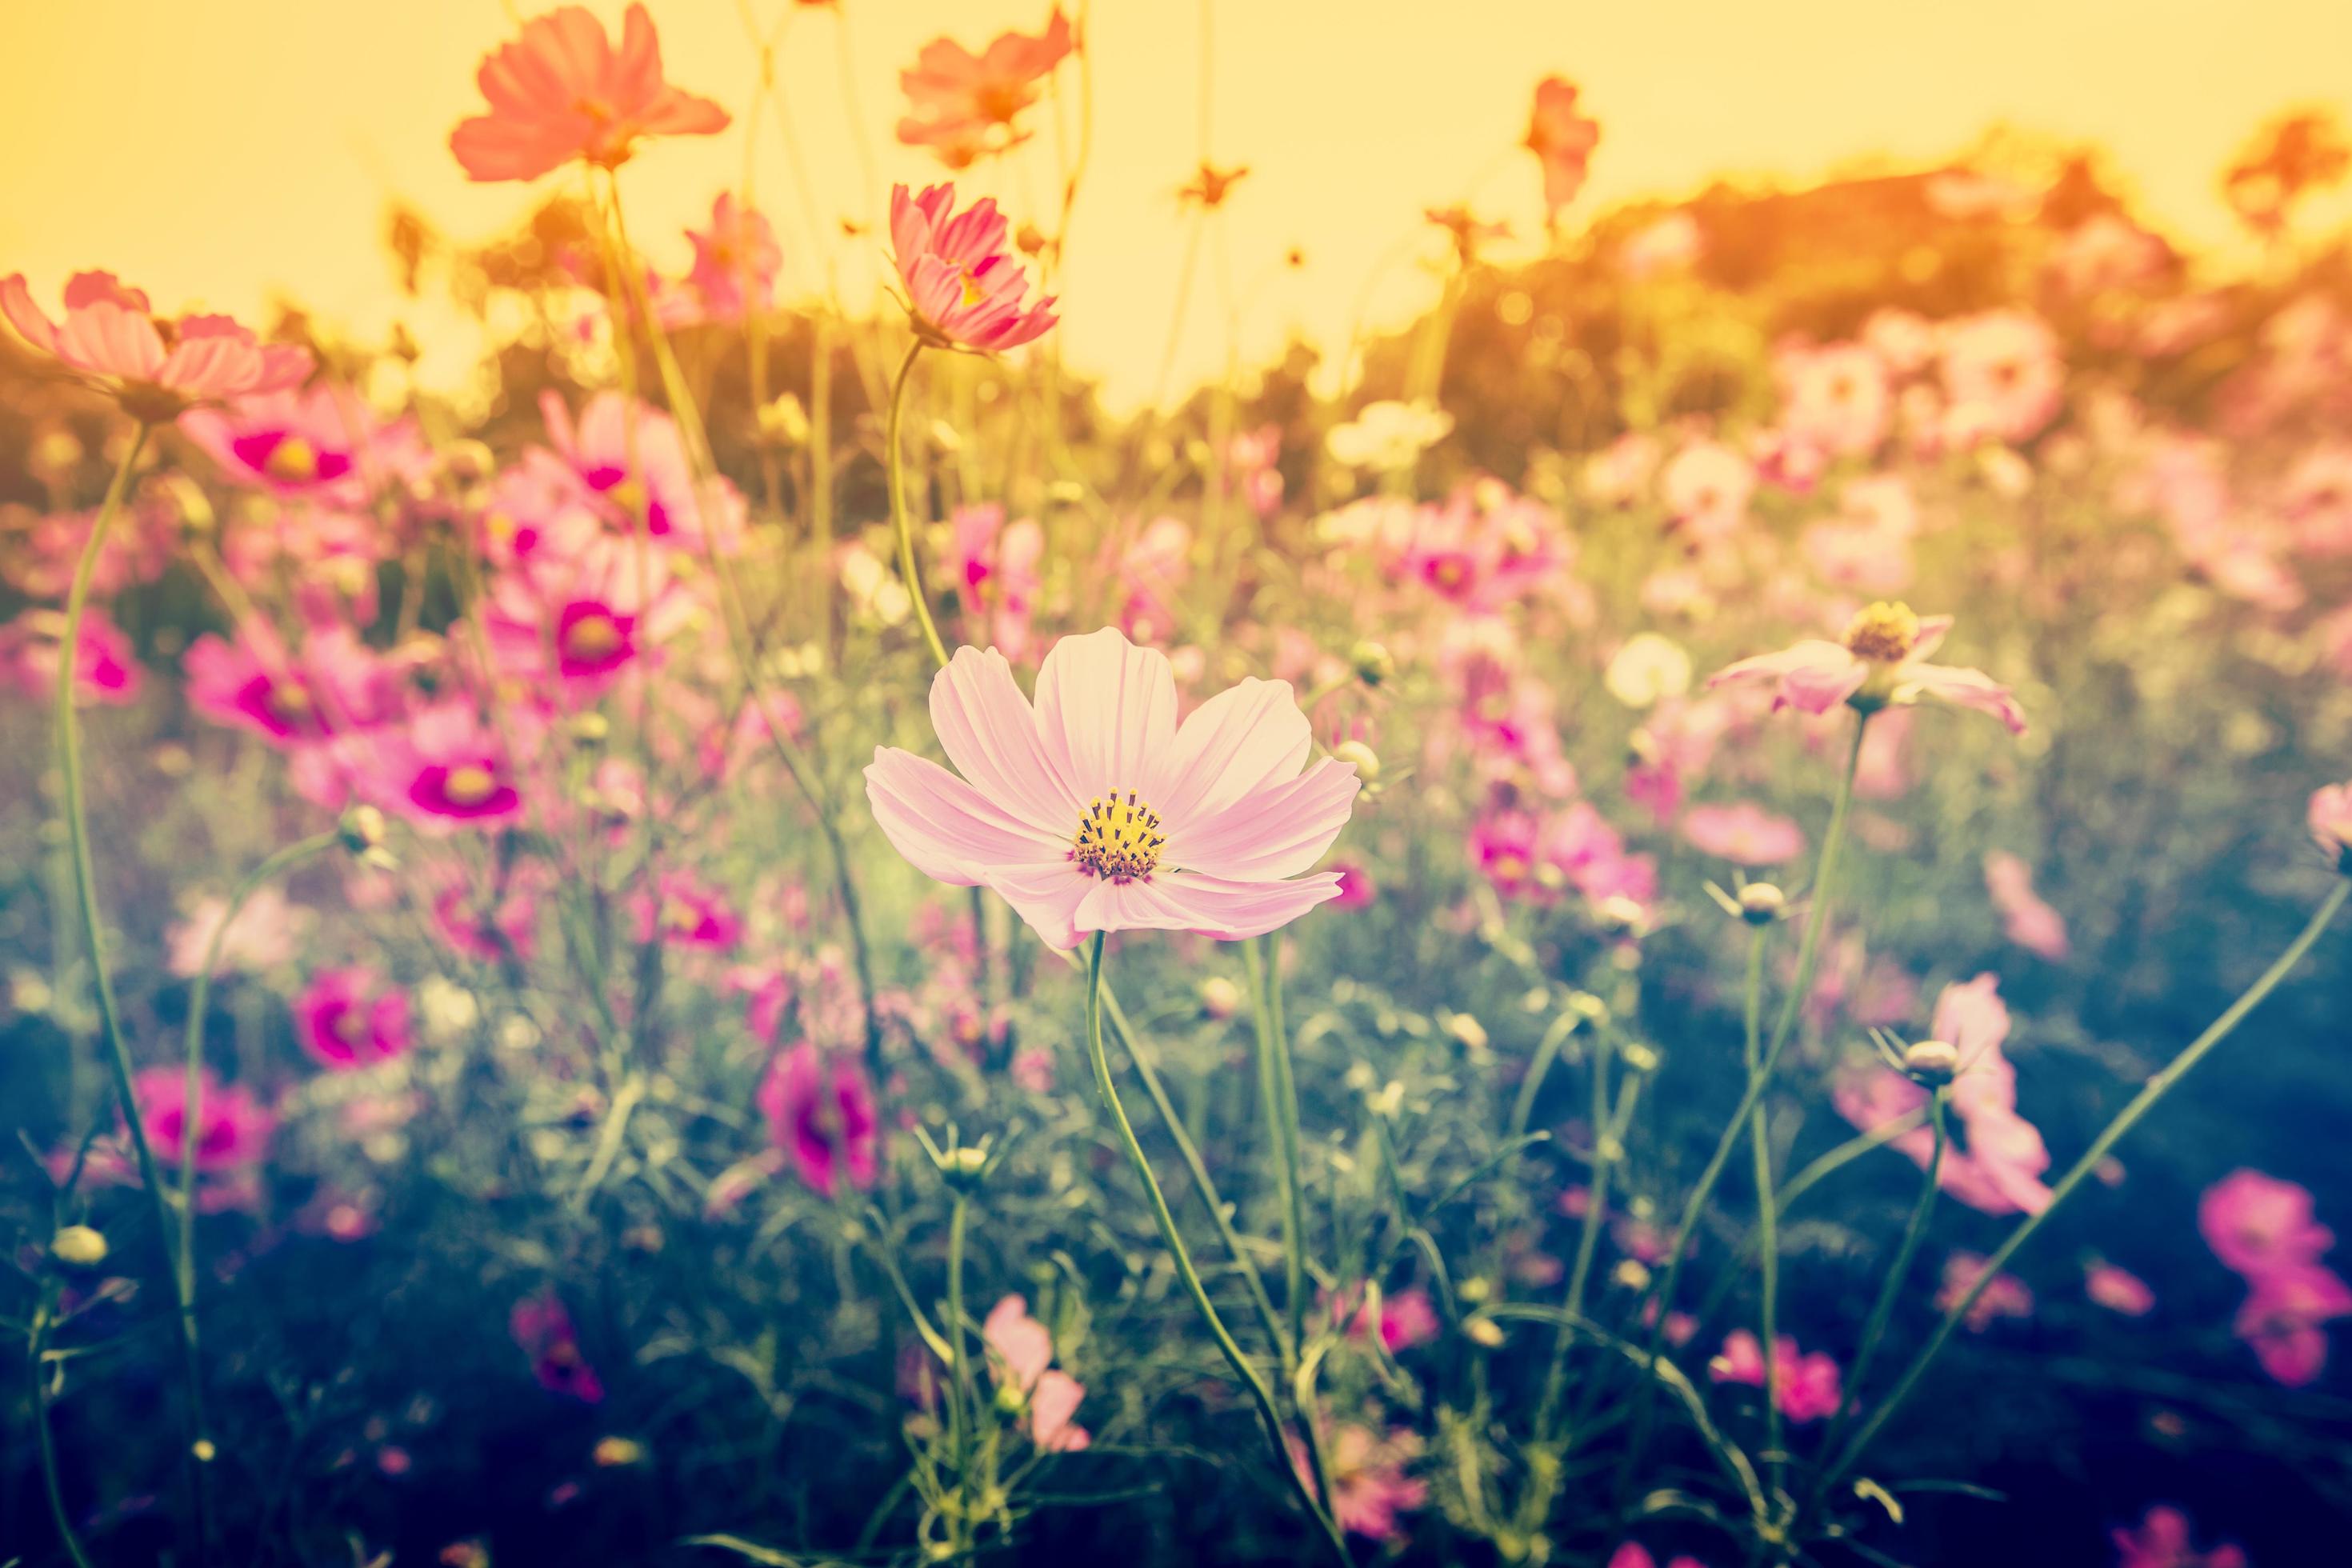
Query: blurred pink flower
(965, 104)
(821, 1112)
(561, 91)
(317, 442)
(633, 460)
(736, 261)
(1707, 488)
(1743, 833)
(232, 1134)
(448, 766)
(1020, 1355)
(2003, 377)
(353, 1018)
(1562, 139)
(2029, 922)
(680, 911)
(1806, 1386)
(1881, 661)
(2282, 1316)
(543, 1331)
(2006, 1297)
(105, 669)
(1407, 1317)
(1837, 397)
(2259, 1224)
(2162, 1541)
(963, 287)
(1367, 1469)
(2117, 1290)
(2331, 823)
(267, 933)
(1633, 1555)
(156, 369)
(1094, 811)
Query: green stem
(1767, 1222)
(1281, 1097)
(2126, 1120)
(960, 1400)
(118, 1053)
(1607, 1134)
(52, 1483)
(1259, 1392)
(894, 463)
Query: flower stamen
(1119, 838)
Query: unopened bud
(1638, 1058)
(79, 1247)
(1374, 665)
(616, 1453)
(362, 830)
(1632, 1274)
(1932, 1062)
(1618, 912)
(1367, 761)
(1219, 997)
(1483, 1331)
(1760, 903)
(589, 728)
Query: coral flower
(1882, 662)
(561, 91)
(963, 287)
(964, 104)
(350, 1018)
(112, 339)
(1562, 139)
(821, 1112)
(1094, 811)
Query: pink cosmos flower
(1880, 663)
(682, 912)
(2259, 1224)
(105, 670)
(449, 767)
(636, 460)
(2117, 1290)
(314, 444)
(2001, 375)
(1367, 1469)
(156, 368)
(996, 568)
(965, 104)
(1707, 488)
(543, 1331)
(1407, 1318)
(821, 1112)
(2331, 823)
(267, 933)
(231, 1130)
(2030, 923)
(1094, 811)
(561, 91)
(2282, 1316)
(1020, 1353)
(964, 289)
(736, 261)
(353, 1018)
(2162, 1541)
(1806, 1386)
(1633, 1554)
(1743, 833)
(1837, 399)
(2006, 1297)
(1562, 140)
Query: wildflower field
(1686, 911)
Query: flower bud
(1374, 665)
(616, 1453)
(1760, 903)
(1632, 1274)
(1367, 761)
(79, 1247)
(1932, 1062)
(784, 422)
(362, 830)
(1638, 1057)
(1483, 1331)
(1618, 912)
(1219, 997)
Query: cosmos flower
(1882, 662)
(156, 368)
(317, 443)
(2259, 1224)
(2030, 923)
(2117, 1290)
(353, 1018)
(2283, 1317)
(1020, 1355)
(1093, 811)
(1562, 139)
(1743, 833)
(2162, 1541)
(1805, 1386)
(736, 261)
(561, 91)
(106, 669)
(2331, 823)
(267, 933)
(1368, 1471)
(965, 104)
(231, 1130)
(543, 1331)
(2005, 1297)
(964, 289)
(821, 1113)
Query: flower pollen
(1885, 633)
(1119, 838)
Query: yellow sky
(220, 150)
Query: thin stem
(2126, 1120)
(118, 1053)
(52, 1482)
(1259, 1392)
(966, 1410)
(1767, 1222)
(1281, 1097)
(1609, 1135)
(895, 466)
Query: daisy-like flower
(1094, 811)
(964, 288)
(112, 339)
(965, 104)
(563, 91)
(353, 1018)
(1881, 663)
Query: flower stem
(2126, 1120)
(960, 1402)
(52, 1483)
(1259, 1392)
(118, 1053)
(896, 465)
(1768, 1271)
(1281, 1096)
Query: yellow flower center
(1884, 633)
(1119, 838)
(972, 295)
(469, 784)
(591, 638)
(293, 460)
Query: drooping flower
(1095, 811)
(821, 1112)
(156, 368)
(561, 92)
(1021, 1353)
(1882, 662)
(965, 287)
(2162, 1541)
(1805, 1386)
(1562, 139)
(351, 1018)
(543, 1331)
(965, 104)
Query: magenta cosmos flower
(1095, 811)
(1881, 663)
(353, 1018)
(563, 91)
(112, 339)
(1805, 1386)
(963, 287)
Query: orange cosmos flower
(561, 91)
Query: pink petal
(1206, 906)
(990, 734)
(1105, 710)
(1243, 739)
(1963, 689)
(31, 322)
(950, 831)
(1275, 831)
(105, 339)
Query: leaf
(751, 1550)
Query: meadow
(1687, 914)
